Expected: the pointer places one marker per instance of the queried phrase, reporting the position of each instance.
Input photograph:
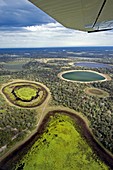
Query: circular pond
(96, 92)
(25, 93)
(82, 76)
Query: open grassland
(61, 146)
(25, 94)
(96, 92)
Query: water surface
(83, 76)
(92, 65)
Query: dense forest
(16, 123)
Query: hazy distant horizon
(107, 46)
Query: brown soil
(96, 92)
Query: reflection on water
(92, 65)
(83, 76)
(13, 66)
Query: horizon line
(53, 47)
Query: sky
(24, 25)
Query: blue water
(93, 65)
(58, 52)
(57, 49)
(82, 76)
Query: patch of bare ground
(96, 92)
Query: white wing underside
(84, 15)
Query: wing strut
(100, 12)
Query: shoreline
(85, 131)
(23, 81)
(107, 77)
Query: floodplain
(20, 122)
(61, 145)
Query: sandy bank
(107, 77)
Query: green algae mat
(25, 94)
(60, 146)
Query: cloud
(24, 25)
(2, 3)
(21, 13)
(52, 35)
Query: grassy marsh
(96, 92)
(25, 94)
(61, 146)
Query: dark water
(83, 76)
(97, 48)
(93, 65)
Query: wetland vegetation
(25, 94)
(61, 145)
(96, 92)
(18, 123)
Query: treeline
(99, 111)
(15, 123)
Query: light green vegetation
(96, 92)
(61, 147)
(99, 111)
(26, 93)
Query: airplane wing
(84, 15)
